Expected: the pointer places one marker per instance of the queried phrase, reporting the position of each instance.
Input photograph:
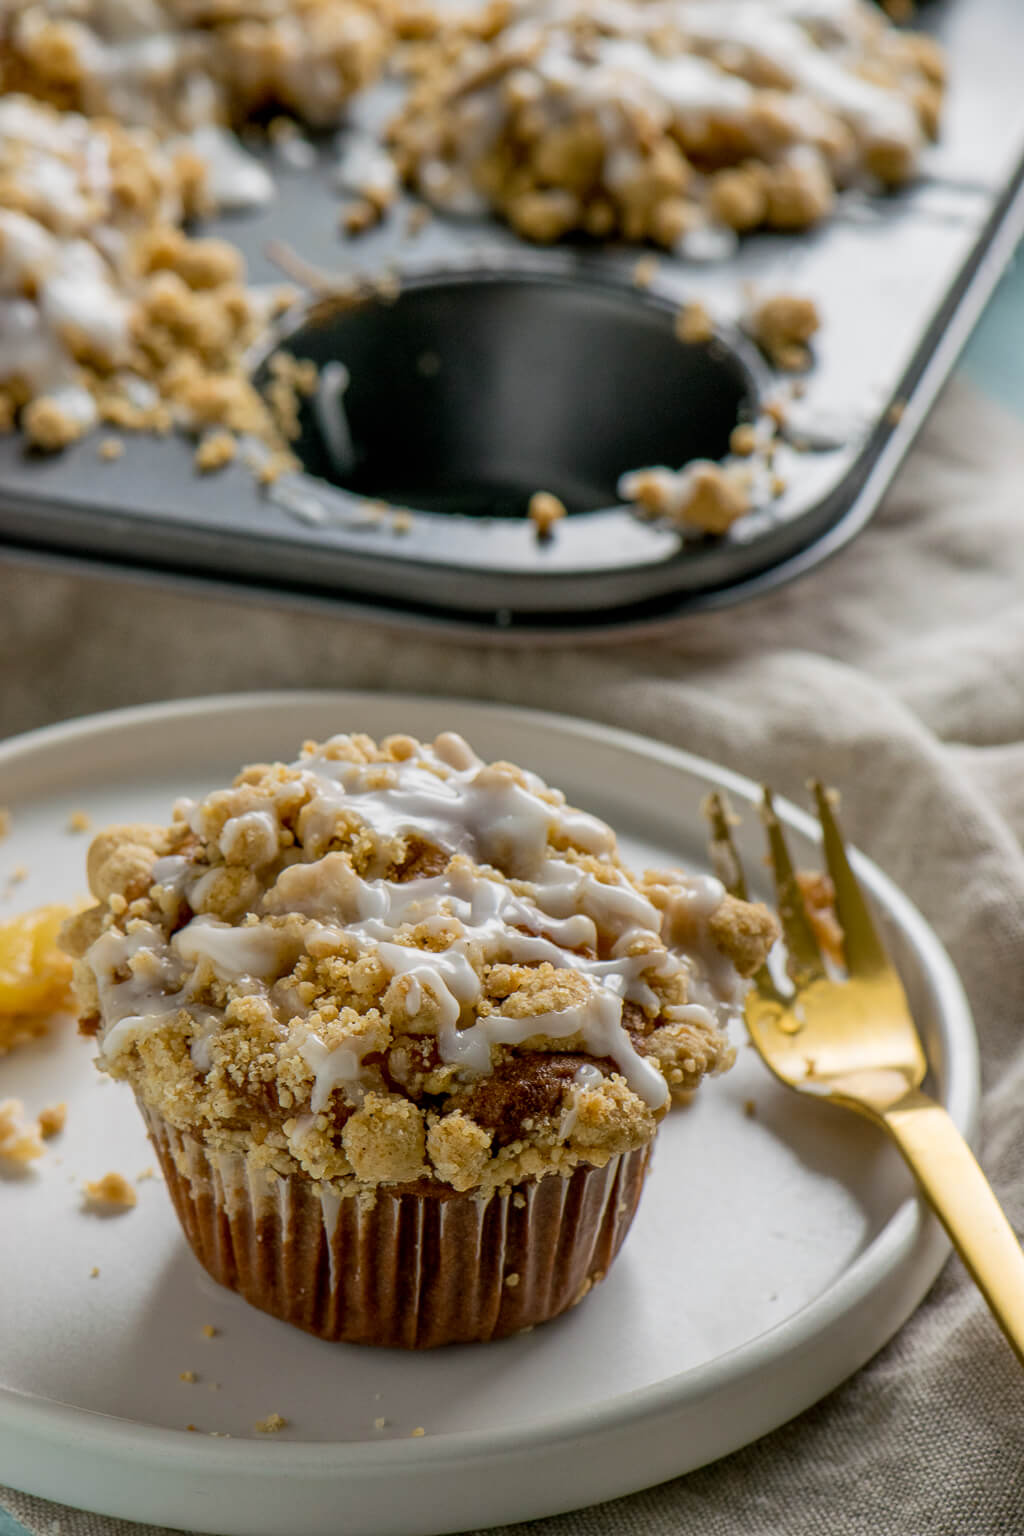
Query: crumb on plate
(271, 1425)
(20, 1141)
(112, 1190)
(53, 1119)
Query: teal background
(994, 357)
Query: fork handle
(964, 1202)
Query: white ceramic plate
(773, 1253)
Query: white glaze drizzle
(813, 49)
(553, 911)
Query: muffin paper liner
(422, 1265)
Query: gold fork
(853, 1041)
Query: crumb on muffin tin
(665, 120)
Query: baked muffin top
(384, 964)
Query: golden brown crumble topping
(389, 963)
(218, 61)
(216, 451)
(666, 119)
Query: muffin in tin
(402, 1028)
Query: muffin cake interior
(383, 965)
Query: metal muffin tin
(499, 369)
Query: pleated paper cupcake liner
(422, 1265)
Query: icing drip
(437, 933)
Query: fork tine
(862, 946)
(805, 960)
(724, 857)
(728, 867)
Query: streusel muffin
(402, 1028)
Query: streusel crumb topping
(384, 964)
(665, 120)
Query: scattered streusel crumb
(545, 511)
(645, 271)
(743, 439)
(749, 1108)
(112, 1190)
(417, 219)
(401, 522)
(271, 1425)
(387, 286)
(819, 896)
(418, 1431)
(380, 1423)
(782, 326)
(775, 410)
(393, 1136)
(512, 1280)
(193, 1429)
(216, 451)
(18, 874)
(148, 1172)
(79, 821)
(94, 1273)
(360, 216)
(20, 1141)
(694, 324)
(188, 1376)
(894, 415)
(5, 821)
(209, 1331)
(49, 427)
(702, 496)
(53, 1119)
(109, 449)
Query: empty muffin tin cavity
(468, 393)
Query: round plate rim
(94, 1432)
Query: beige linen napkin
(897, 673)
